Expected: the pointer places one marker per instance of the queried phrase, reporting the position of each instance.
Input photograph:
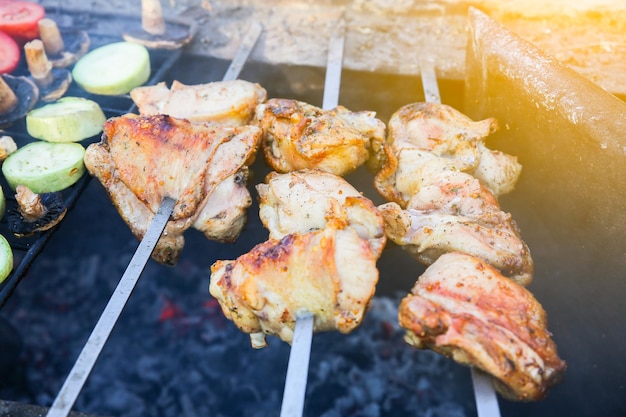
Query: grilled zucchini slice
(45, 167)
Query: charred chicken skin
(230, 103)
(204, 167)
(330, 273)
(325, 239)
(465, 309)
(470, 304)
(297, 135)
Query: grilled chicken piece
(431, 129)
(463, 308)
(453, 211)
(298, 135)
(231, 103)
(301, 201)
(330, 273)
(204, 167)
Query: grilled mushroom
(157, 33)
(18, 95)
(7, 147)
(52, 82)
(63, 48)
(35, 212)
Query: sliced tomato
(20, 19)
(9, 53)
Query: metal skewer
(298, 366)
(484, 393)
(77, 377)
(82, 367)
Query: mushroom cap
(77, 43)
(178, 33)
(53, 212)
(27, 94)
(61, 80)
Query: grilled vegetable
(45, 167)
(35, 212)
(6, 258)
(9, 53)
(17, 96)
(52, 82)
(70, 119)
(155, 32)
(8, 99)
(63, 48)
(7, 147)
(3, 203)
(113, 69)
(19, 19)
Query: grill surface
(27, 249)
(219, 373)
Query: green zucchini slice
(6, 258)
(45, 167)
(113, 69)
(70, 119)
(3, 203)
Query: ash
(173, 353)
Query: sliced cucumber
(70, 119)
(45, 167)
(6, 258)
(113, 69)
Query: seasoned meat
(330, 273)
(464, 308)
(419, 131)
(143, 159)
(453, 211)
(301, 201)
(298, 135)
(230, 103)
(429, 171)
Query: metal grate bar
(484, 393)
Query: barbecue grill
(173, 353)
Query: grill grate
(102, 29)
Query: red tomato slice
(9, 53)
(19, 19)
